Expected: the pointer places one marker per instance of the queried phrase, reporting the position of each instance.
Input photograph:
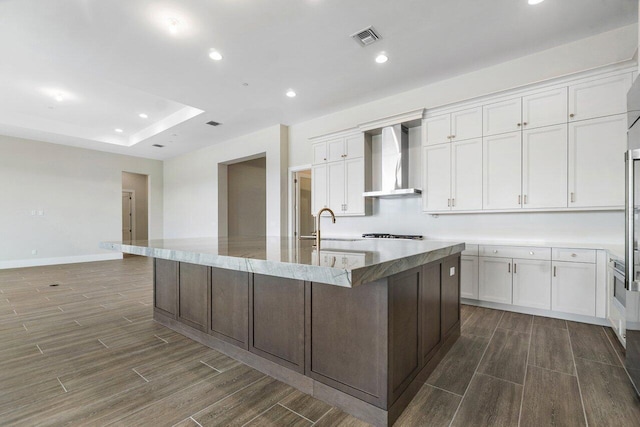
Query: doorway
(247, 198)
(303, 224)
(128, 217)
(135, 206)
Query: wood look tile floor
(87, 352)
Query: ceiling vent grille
(212, 123)
(366, 37)
(158, 145)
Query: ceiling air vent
(158, 145)
(212, 123)
(366, 37)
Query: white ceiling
(112, 60)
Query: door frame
(133, 212)
(291, 197)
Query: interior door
(127, 224)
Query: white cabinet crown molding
(409, 116)
(336, 134)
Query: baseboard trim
(537, 311)
(37, 262)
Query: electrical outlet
(452, 271)
(34, 252)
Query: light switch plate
(452, 271)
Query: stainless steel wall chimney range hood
(394, 171)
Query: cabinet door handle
(453, 203)
(509, 267)
(554, 271)
(571, 115)
(448, 136)
(518, 199)
(525, 199)
(524, 123)
(448, 203)
(324, 159)
(453, 136)
(519, 124)
(573, 198)
(515, 268)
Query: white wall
(191, 184)
(404, 215)
(79, 191)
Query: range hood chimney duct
(395, 164)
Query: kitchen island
(359, 324)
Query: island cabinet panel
(430, 301)
(230, 306)
(165, 282)
(276, 320)
(450, 286)
(192, 295)
(405, 358)
(347, 339)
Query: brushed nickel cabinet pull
(453, 203)
(453, 136)
(448, 202)
(519, 124)
(554, 271)
(573, 198)
(524, 123)
(515, 268)
(571, 115)
(525, 199)
(518, 199)
(509, 267)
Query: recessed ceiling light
(382, 58)
(535, 1)
(173, 25)
(143, 116)
(291, 93)
(215, 55)
(58, 97)
(118, 130)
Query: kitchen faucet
(333, 218)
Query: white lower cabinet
(532, 283)
(573, 288)
(469, 277)
(494, 283)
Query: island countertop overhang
(297, 259)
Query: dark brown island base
(366, 349)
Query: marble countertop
(341, 262)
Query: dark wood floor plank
(431, 407)
(456, 369)
(516, 321)
(550, 322)
(305, 405)
(337, 418)
(482, 322)
(551, 399)
(489, 402)
(279, 416)
(609, 399)
(551, 349)
(506, 356)
(245, 405)
(590, 342)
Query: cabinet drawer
(574, 255)
(470, 250)
(522, 252)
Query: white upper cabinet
(502, 167)
(600, 97)
(544, 167)
(437, 130)
(335, 150)
(466, 175)
(319, 152)
(354, 186)
(502, 117)
(544, 109)
(436, 178)
(336, 178)
(596, 162)
(460, 125)
(466, 124)
(354, 147)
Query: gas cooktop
(391, 236)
